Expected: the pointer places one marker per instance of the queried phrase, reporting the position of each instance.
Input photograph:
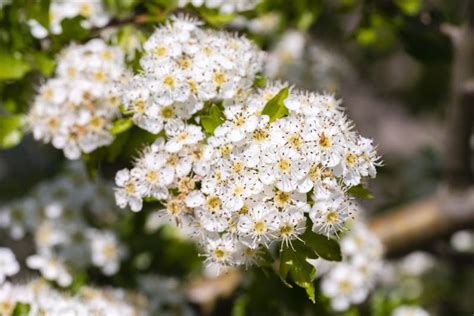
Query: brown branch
(458, 172)
(413, 226)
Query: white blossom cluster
(224, 6)
(43, 299)
(8, 264)
(74, 110)
(92, 11)
(55, 214)
(253, 181)
(184, 66)
(351, 281)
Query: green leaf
(275, 108)
(293, 262)
(43, 63)
(21, 309)
(80, 279)
(260, 81)
(72, 30)
(11, 130)
(410, 7)
(12, 66)
(240, 306)
(120, 8)
(323, 246)
(360, 192)
(121, 126)
(211, 121)
(214, 17)
(39, 11)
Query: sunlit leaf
(10, 130)
(293, 263)
(12, 66)
(323, 246)
(360, 192)
(211, 121)
(275, 108)
(121, 126)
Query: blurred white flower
(8, 264)
(409, 310)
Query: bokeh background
(405, 72)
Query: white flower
(127, 193)
(409, 310)
(330, 215)
(50, 267)
(219, 254)
(185, 66)
(183, 135)
(74, 111)
(344, 286)
(106, 251)
(8, 264)
(259, 226)
(93, 12)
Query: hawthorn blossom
(8, 264)
(74, 110)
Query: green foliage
(360, 192)
(120, 8)
(12, 66)
(10, 130)
(21, 309)
(425, 42)
(324, 247)
(410, 7)
(214, 18)
(43, 63)
(275, 108)
(72, 30)
(293, 262)
(212, 120)
(121, 126)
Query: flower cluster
(42, 299)
(92, 11)
(224, 6)
(8, 264)
(254, 180)
(75, 109)
(351, 281)
(56, 214)
(184, 66)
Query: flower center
(219, 78)
(169, 81)
(260, 227)
(325, 141)
(260, 134)
(281, 198)
(152, 176)
(213, 203)
(160, 51)
(139, 106)
(167, 112)
(332, 217)
(295, 141)
(130, 187)
(284, 165)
